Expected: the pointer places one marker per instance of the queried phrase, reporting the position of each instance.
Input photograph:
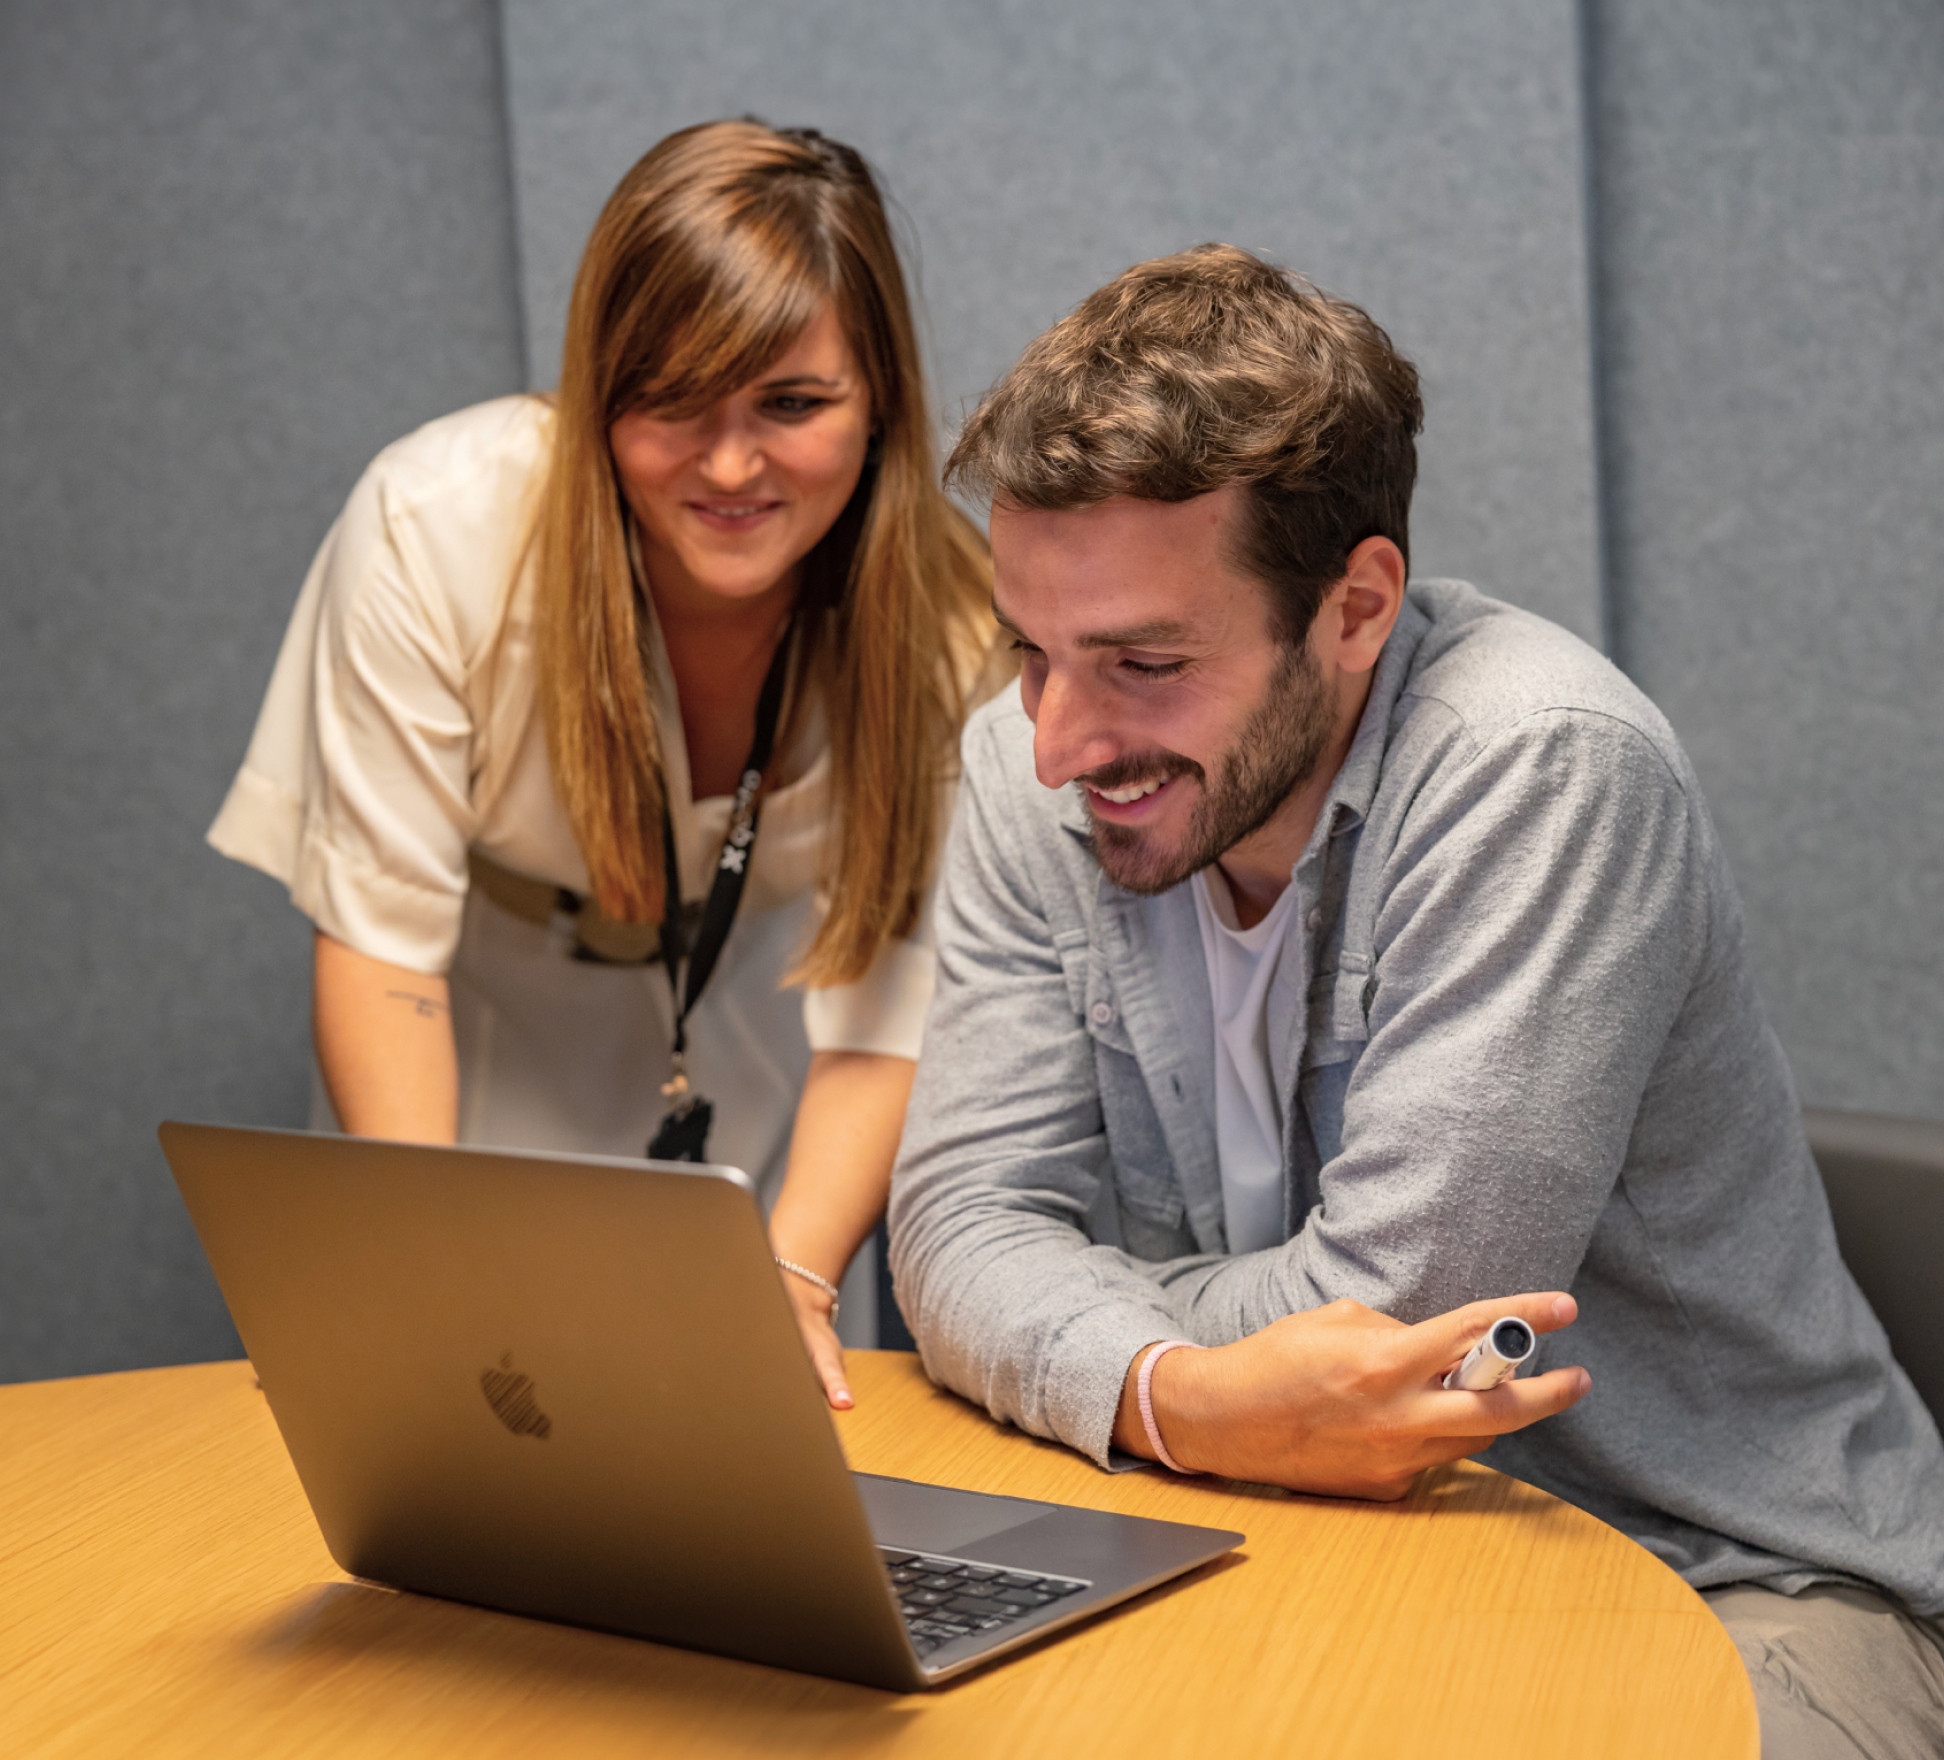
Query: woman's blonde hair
(707, 262)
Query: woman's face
(730, 501)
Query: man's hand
(1342, 1401)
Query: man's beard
(1277, 751)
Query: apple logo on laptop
(510, 1394)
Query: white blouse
(400, 732)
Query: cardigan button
(1103, 1012)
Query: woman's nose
(731, 457)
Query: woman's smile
(743, 514)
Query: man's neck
(1258, 868)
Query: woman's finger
(828, 1356)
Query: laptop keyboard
(947, 1598)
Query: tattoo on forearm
(425, 1007)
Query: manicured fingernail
(842, 1398)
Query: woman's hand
(812, 1308)
(847, 1128)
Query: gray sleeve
(1543, 915)
(1004, 1152)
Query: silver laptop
(572, 1387)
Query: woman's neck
(719, 650)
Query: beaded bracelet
(809, 1276)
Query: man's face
(1155, 679)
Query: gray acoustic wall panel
(245, 245)
(1770, 200)
(1421, 158)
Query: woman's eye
(793, 405)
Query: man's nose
(1072, 730)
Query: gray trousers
(1839, 1673)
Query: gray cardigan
(1525, 1053)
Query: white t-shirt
(400, 732)
(1248, 1114)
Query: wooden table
(163, 1591)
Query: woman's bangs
(710, 325)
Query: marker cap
(1506, 1344)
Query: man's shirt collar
(1355, 786)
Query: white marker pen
(1495, 1356)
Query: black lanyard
(684, 1133)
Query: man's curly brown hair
(1211, 367)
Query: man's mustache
(1141, 767)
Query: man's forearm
(999, 1297)
(1002, 1161)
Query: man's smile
(1132, 792)
(1122, 794)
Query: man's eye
(1153, 668)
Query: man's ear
(1357, 615)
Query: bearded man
(1321, 954)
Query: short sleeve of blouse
(356, 788)
(884, 1011)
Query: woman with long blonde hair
(604, 719)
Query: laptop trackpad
(933, 1518)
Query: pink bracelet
(1143, 1392)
